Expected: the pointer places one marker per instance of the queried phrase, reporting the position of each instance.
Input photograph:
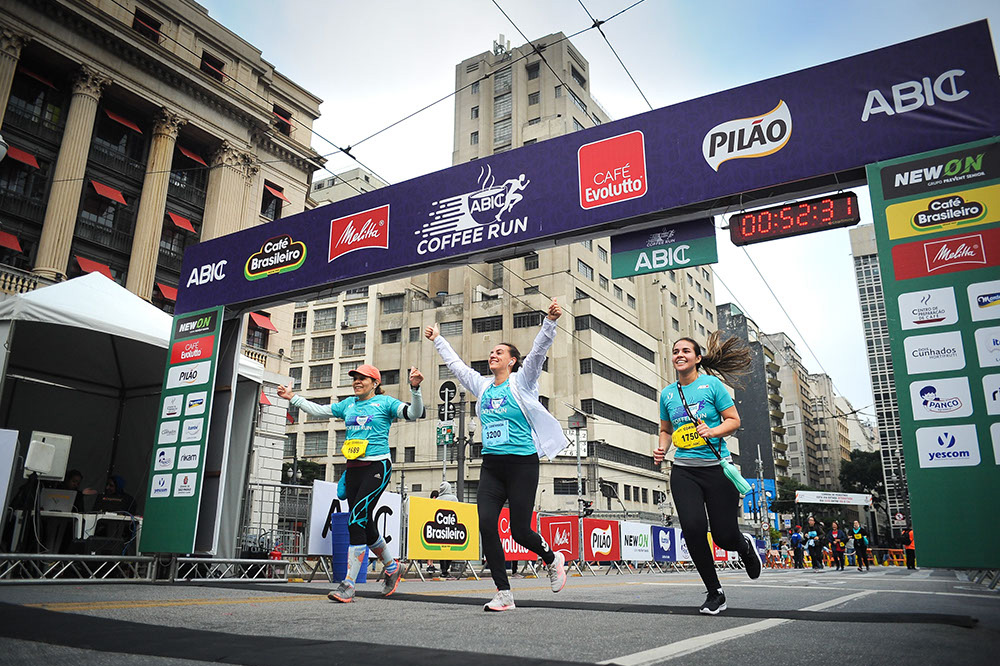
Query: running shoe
(557, 572)
(391, 581)
(715, 603)
(502, 601)
(751, 561)
(344, 593)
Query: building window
(673, 299)
(589, 365)
(502, 133)
(534, 121)
(482, 367)
(528, 319)
(585, 270)
(630, 299)
(271, 200)
(319, 401)
(578, 77)
(353, 344)
(531, 262)
(299, 323)
(533, 98)
(529, 142)
(589, 322)
(256, 336)
(577, 101)
(451, 328)
(392, 335)
(708, 295)
(282, 120)
(502, 106)
(298, 350)
(531, 289)
(581, 295)
(212, 66)
(356, 315)
(474, 88)
(533, 69)
(589, 244)
(674, 324)
(709, 315)
(602, 254)
(475, 112)
(358, 292)
(603, 281)
(558, 92)
(576, 125)
(320, 376)
(444, 372)
(315, 443)
(291, 441)
(324, 320)
(345, 372)
(392, 304)
(566, 486)
(322, 348)
(474, 139)
(619, 294)
(390, 377)
(501, 81)
(487, 324)
(414, 334)
(628, 492)
(146, 25)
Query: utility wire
(598, 24)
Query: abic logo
(756, 136)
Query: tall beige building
(833, 443)
(797, 403)
(611, 355)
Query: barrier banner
(683, 554)
(562, 533)
(387, 516)
(718, 554)
(512, 550)
(635, 542)
(664, 544)
(601, 540)
(441, 530)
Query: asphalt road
(887, 616)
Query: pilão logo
(756, 136)
(601, 541)
(280, 254)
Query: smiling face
(684, 356)
(500, 359)
(362, 385)
(856, 524)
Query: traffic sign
(446, 411)
(447, 391)
(445, 434)
(899, 516)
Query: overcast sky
(375, 62)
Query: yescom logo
(951, 446)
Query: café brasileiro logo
(472, 217)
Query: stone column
(11, 43)
(233, 174)
(152, 205)
(67, 179)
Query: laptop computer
(57, 499)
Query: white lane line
(986, 594)
(690, 645)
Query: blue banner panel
(894, 101)
(664, 544)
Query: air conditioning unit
(344, 324)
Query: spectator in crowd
(910, 548)
(798, 547)
(814, 542)
(860, 538)
(838, 544)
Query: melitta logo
(953, 446)
(277, 255)
(748, 137)
(472, 217)
(367, 229)
(601, 541)
(560, 537)
(953, 209)
(444, 530)
(912, 95)
(954, 251)
(612, 170)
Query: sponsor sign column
(937, 224)
(176, 471)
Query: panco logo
(612, 170)
(444, 530)
(748, 137)
(192, 350)
(277, 255)
(601, 541)
(367, 229)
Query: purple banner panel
(937, 90)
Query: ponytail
(729, 359)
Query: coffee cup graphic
(486, 203)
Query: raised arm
(470, 379)
(310, 408)
(531, 365)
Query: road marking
(113, 605)
(691, 645)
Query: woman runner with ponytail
(368, 415)
(696, 413)
(517, 431)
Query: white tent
(86, 358)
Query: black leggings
(365, 484)
(861, 555)
(511, 479)
(695, 490)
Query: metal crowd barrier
(45, 568)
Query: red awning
(123, 120)
(37, 77)
(263, 399)
(190, 154)
(10, 241)
(262, 321)
(108, 192)
(288, 418)
(169, 293)
(182, 222)
(22, 156)
(278, 193)
(90, 266)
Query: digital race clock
(830, 212)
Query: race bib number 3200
(496, 434)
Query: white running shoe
(557, 572)
(502, 601)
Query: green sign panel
(177, 468)
(664, 248)
(937, 225)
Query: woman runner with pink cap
(368, 414)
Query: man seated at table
(115, 499)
